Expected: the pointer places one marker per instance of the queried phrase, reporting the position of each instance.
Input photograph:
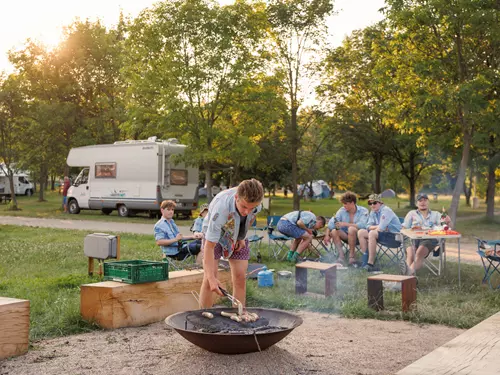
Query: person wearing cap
(344, 226)
(299, 225)
(382, 226)
(421, 218)
(196, 228)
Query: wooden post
(331, 282)
(118, 247)
(91, 266)
(300, 280)
(375, 294)
(408, 293)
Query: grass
(47, 266)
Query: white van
(132, 176)
(22, 186)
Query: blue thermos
(265, 278)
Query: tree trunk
(468, 189)
(378, 172)
(43, 183)
(490, 192)
(13, 204)
(457, 190)
(208, 181)
(412, 180)
(294, 150)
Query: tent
(320, 189)
(389, 193)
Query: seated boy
(299, 225)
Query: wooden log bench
(112, 304)
(330, 277)
(14, 326)
(474, 352)
(376, 291)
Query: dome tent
(389, 193)
(319, 187)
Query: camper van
(132, 176)
(22, 186)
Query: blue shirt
(165, 230)
(386, 220)
(414, 218)
(222, 210)
(197, 225)
(360, 218)
(307, 217)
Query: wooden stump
(14, 326)
(112, 304)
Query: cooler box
(100, 246)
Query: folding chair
(188, 262)
(318, 250)
(489, 251)
(390, 252)
(276, 240)
(255, 240)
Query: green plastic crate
(135, 271)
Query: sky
(44, 19)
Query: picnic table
(441, 236)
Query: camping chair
(255, 240)
(489, 251)
(391, 252)
(188, 262)
(276, 240)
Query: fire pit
(223, 335)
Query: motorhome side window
(105, 170)
(178, 177)
(22, 180)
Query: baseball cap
(422, 196)
(203, 207)
(375, 198)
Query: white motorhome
(22, 185)
(132, 176)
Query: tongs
(233, 300)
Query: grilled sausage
(207, 315)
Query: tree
(11, 122)
(453, 40)
(187, 60)
(355, 95)
(297, 33)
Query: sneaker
(295, 257)
(370, 268)
(289, 256)
(403, 267)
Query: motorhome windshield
(82, 178)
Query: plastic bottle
(265, 278)
(442, 221)
(259, 257)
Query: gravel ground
(323, 344)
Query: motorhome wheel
(122, 210)
(73, 207)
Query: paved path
(467, 250)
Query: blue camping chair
(277, 241)
(489, 251)
(255, 240)
(391, 252)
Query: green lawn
(47, 266)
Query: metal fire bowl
(225, 343)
